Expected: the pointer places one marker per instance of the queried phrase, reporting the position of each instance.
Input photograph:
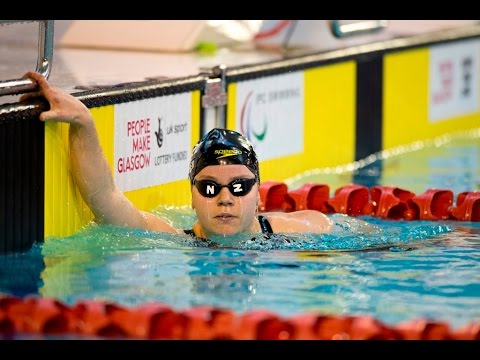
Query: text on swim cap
(226, 153)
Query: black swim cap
(222, 147)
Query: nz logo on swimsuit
(159, 133)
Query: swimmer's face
(219, 211)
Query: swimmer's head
(223, 147)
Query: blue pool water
(402, 271)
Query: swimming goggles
(238, 187)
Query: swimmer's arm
(89, 166)
(365, 227)
(353, 224)
(312, 221)
(301, 221)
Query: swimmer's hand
(63, 106)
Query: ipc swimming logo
(246, 123)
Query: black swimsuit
(264, 224)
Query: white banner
(453, 83)
(270, 113)
(152, 141)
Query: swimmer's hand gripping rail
(44, 59)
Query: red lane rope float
(468, 206)
(99, 319)
(351, 200)
(389, 202)
(310, 196)
(273, 197)
(386, 202)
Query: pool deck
(74, 69)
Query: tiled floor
(75, 67)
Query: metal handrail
(44, 58)
(356, 28)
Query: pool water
(401, 271)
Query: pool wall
(305, 112)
